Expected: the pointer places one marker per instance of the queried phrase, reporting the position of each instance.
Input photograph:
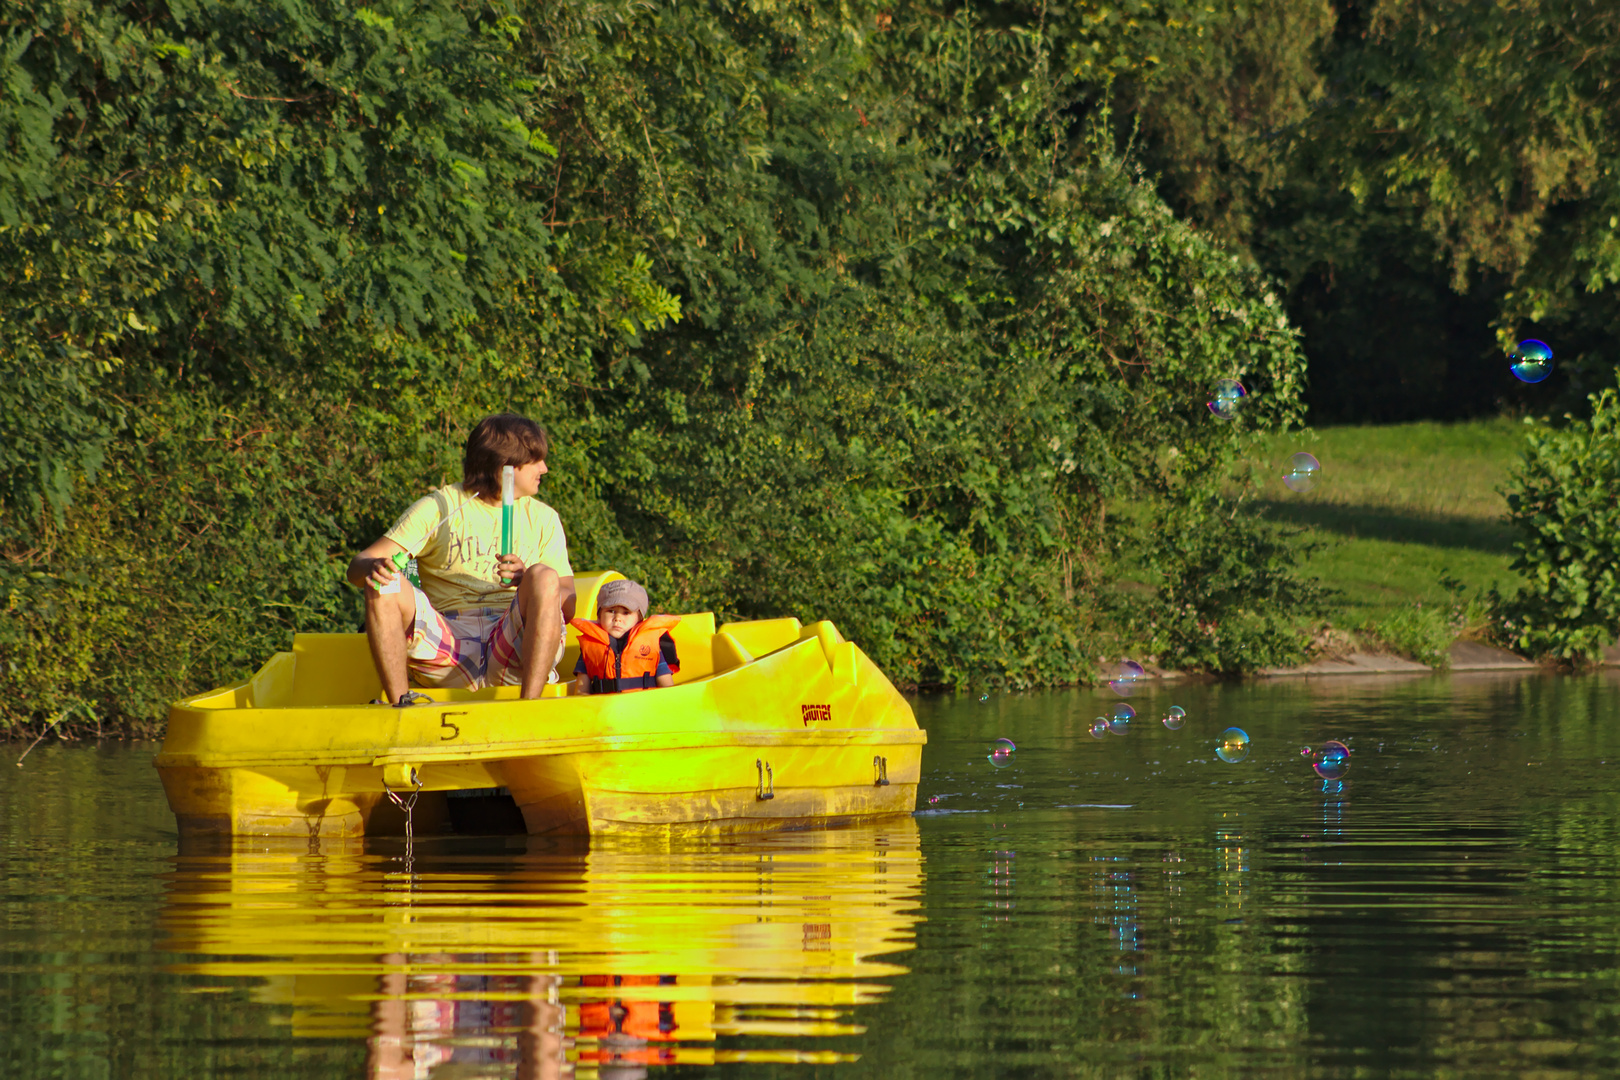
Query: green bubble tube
(507, 485)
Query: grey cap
(622, 593)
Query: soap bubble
(1305, 752)
(1175, 718)
(1120, 722)
(933, 800)
(1225, 397)
(1099, 728)
(983, 698)
(1531, 361)
(1332, 760)
(1301, 474)
(1126, 676)
(1234, 745)
(1001, 752)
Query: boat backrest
(762, 636)
(586, 586)
(332, 669)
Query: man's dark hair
(498, 441)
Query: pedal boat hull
(770, 725)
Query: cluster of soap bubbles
(1226, 398)
(1531, 361)
(1330, 761)
(1119, 721)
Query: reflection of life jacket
(653, 1021)
(634, 666)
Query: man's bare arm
(565, 589)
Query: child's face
(617, 619)
(526, 478)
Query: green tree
(840, 312)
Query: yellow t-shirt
(456, 538)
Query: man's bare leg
(389, 619)
(540, 600)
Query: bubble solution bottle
(406, 567)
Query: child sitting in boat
(624, 650)
(479, 608)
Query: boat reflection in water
(530, 957)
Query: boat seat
(336, 669)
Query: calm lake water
(1129, 906)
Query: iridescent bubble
(1120, 722)
(1127, 674)
(1175, 718)
(1331, 760)
(1234, 745)
(1531, 361)
(933, 800)
(1226, 397)
(1305, 752)
(1001, 752)
(1099, 728)
(983, 698)
(1300, 475)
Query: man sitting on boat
(623, 650)
(465, 627)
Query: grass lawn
(1398, 508)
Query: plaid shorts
(473, 648)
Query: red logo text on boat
(816, 714)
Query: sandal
(408, 698)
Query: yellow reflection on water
(528, 957)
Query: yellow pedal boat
(770, 724)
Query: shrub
(1231, 599)
(1562, 500)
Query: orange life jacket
(636, 667)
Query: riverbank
(1410, 523)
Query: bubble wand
(508, 482)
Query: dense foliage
(832, 311)
(1562, 501)
(1427, 180)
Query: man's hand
(382, 572)
(510, 568)
(372, 565)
